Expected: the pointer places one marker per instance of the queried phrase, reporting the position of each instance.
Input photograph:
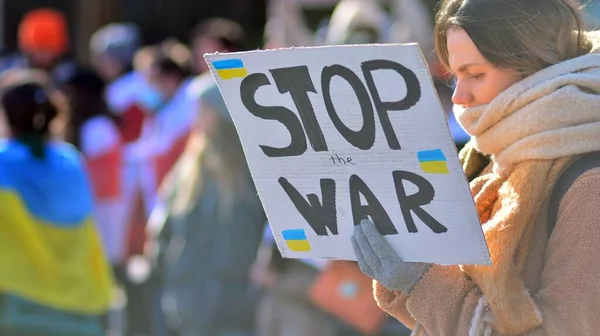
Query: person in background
(92, 129)
(164, 68)
(527, 91)
(213, 35)
(411, 22)
(285, 308)
(43, 41)
(181, 116)
(133, 101)
(357, 22)
(288, 25)
(55, 277)
(209, 36)
(165, 137)
(210, 230)
(128, 95)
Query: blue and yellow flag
(50, 251)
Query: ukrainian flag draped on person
(50, 250)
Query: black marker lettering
(296, 81)
(373, 208)
(319, 216)
(248, 89)
(423, 196)
(365, 137)
(413, 94)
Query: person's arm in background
(262, 273)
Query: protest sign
(335, 134)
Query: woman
(528, 92)
(55, 279)
(214, 223)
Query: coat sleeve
(444, 301)
(393, 303)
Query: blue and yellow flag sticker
(296, 240)
(230, 68)
(433, 161)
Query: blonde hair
(218, 156)
(525, 35)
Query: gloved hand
(379, 261)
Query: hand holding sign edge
(379, 261)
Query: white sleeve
(98, 135)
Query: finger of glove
(378, 244)
(362, 263)
(369, 255)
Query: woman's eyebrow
(464, 67)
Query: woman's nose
(461, 95)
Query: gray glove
(379, 261)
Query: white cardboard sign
(335, 134)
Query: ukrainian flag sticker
(433, 161)
(296, 240)
(230, 68)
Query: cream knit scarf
(533, 130)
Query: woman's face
(477, 81)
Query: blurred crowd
(184, 244)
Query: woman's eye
(476, 76)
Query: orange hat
(44, 29)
